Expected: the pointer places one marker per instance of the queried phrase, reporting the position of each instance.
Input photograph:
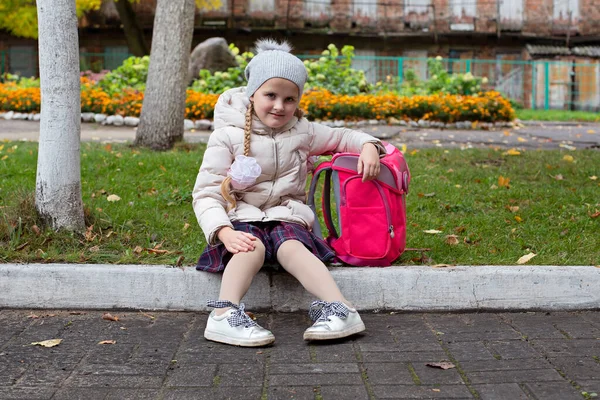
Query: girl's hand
(368, 162)
(236, 241)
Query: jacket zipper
(276, 171)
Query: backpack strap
(326, 168)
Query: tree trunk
(58, 183)
(133, 31)
(161, 119)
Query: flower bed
(485, 107)
(320, 104)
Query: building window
(365, 8)
(463, 15)
(317, 9)
(262, 6)
(565, 9)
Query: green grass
(558, 115)
(452, 191)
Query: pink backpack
(371, 215)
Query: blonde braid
(226, 184)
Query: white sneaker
(235, 327)
(332, 321)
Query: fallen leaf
(520, 139)
(138, 249)
(518, 219)
(147, 315)
(48, 343)
(512, 152)
(22, 246)
(33, 316)
(594, 177)
(3, 158)
(442, 365)
(432, 231)
(109, 317)
(163, 168)
(568, 158)
(595, 215)
(179, 261)
(36, 230)
(108, 147)
(435, 390)
(558, 177)
(89, 234)
(95, 249)
(506, 133)
(513, 209)
(251, 315)
(442, 266)
(452, 240)
(526, 258)
(107, 342)
(590, 131)
(113, 197)
(503, 182)
(157, 251)
(185, 226)
(568, 147)
(77, 313)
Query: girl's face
(275, 102)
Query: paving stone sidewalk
(164, 356)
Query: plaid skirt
(272, 235)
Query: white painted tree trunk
(58, 183)
(163, 110)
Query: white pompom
(271, 44)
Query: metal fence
(539, 84)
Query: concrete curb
(423, 288)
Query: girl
(250, 192)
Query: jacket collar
(231, 108)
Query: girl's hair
(226, 184)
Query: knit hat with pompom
(274, 60)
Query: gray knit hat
(274, 60)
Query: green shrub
(131, 74)
(334, 72)
(21, 82)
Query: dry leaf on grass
(452, 240)
(568, 158)
(432, 231)
(442, 266)
(526, 258)
(113, 197)
(47, 343)
(442, 365)
(107, 342)
(503, 181)
(110, 317)
(512, 152)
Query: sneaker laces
(321, 310)
(238, 317)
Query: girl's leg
(301, 263)
(239, 273)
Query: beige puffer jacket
(279, 192)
